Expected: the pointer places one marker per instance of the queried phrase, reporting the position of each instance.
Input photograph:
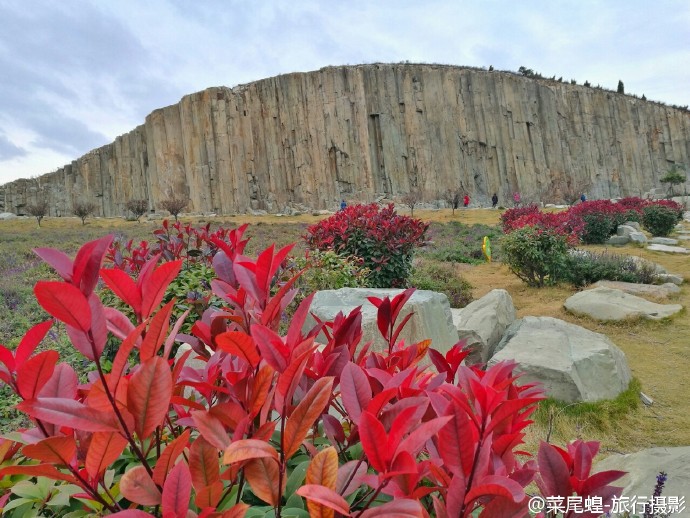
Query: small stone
(646, 399)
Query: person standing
(466, 200)
(494, 201)
(343, 204)
(583, 198)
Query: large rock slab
(657, 291)
(432, 317)
(608, 304)
(7, 215)
(643, 468)
(573, 363)
(483, 322)
(663, 241)
(668, 248)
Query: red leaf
(58, 260)
(203, 463)
(88, 262)
(153, 288)
(271, 347)
(30, 341)
(347, 482)
(554, 471)
(289, 380)
(324, 496)
(582, 460)
(302, 418)
(122, 355)
(67, 412)
(104, 449)
(124, 287)
(496, 485)
(374, 441)
(177, 491)
(64, 302)
(33, 374)
(137, 486)
(157, 332)
(260, 388)
(53, 450)
(241, 345)
(400, 508)
(169, 456)
(246, 449)
(263, 476)
(132, 513)
(62, 384)
(211, 428)
(148, 395)
(414, 442)
(596, 482)
(355, 390)
(209, 496)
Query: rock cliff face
(370, 131)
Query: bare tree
(412, 199)
(38, 210)
(137, 207)
(174, 205)
(83, 209)
(453, 198)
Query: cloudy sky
(75, 74)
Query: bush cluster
(382, 239)
(584, 268)
(443, 278)
(538, 256)
(262, 423)
(660, 220)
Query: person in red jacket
(466, 200)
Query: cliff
(362, 132)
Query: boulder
(638, 237)
(572, 363)
(657, 291)
(432, 317)
(663, 241)
(607, 304)
(7, 215)
(483, 322)
(643, 468)
(667, 248)
(625, 230)
(668, 277)
(618, 240)
(633, 224)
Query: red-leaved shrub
(251, 418)
(383, 239)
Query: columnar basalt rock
(371, 131)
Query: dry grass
(658, 352)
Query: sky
(75, 74)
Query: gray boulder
(572, 363)
(7, 215)
(668, 277)
(668, 248)
(483, 322)
(618, 240)
(643, 468)
(432, 317)
(656, 291)
(607, 304)
(633, 224)
(637, 237)
(625, 230)
(663, 241)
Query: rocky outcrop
(371, 131)
(609, 304)
(572, 363)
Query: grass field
(657, 352)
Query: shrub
(443, 278)
(83, 209)
(382, 239)
(538, 256)
(459, 243)
(38, 210)
(659, 220)
(174, 205)
(585, 268)
(600, 219)
(510, 216)
(262, 423)
(330, 271)
(137, 207)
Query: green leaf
(295, 479)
